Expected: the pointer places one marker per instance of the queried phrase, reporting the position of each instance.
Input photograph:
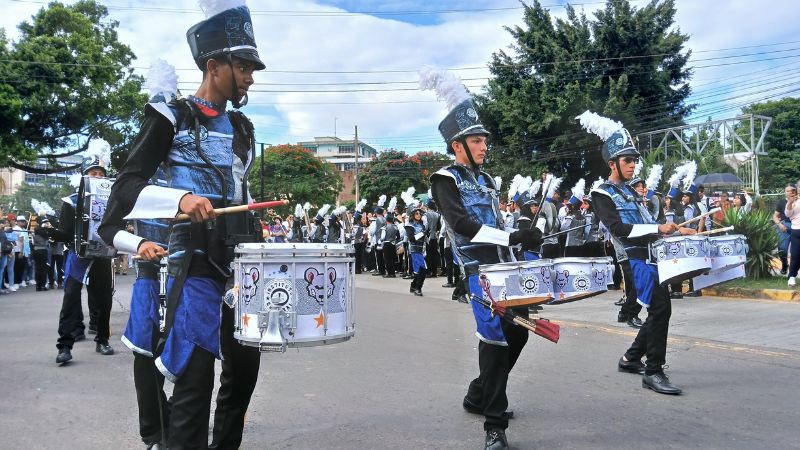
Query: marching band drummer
(205, 152)
(95, 273)
(618, 206)
(468, 201)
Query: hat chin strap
(619, 170)
(475, 167)
(234, 87)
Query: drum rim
(593, 259)
(681, 238)
(514, 265)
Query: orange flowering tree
(394, 171)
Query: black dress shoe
(418, 293)
(620, 302)
(463, 299)
(64, 355)
(622, 317)
(104, 349)
(390, 276)
(448, 285)
(660, 383)
(635, 322)
(630, 366)
(496, 440)
(408, 277)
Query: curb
(781, 295)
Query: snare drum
(727, 251)
(579, 278)
(680, 257)
(93, 195)
(719, 277)
(521, 283)
(293, 294)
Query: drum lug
(272, 339)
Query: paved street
(399, 383)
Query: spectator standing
(12, 236)
(783, 226)
(792, 212)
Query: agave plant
(758, 228)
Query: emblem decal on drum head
(691, 250)
(581, 283)
(316, 284)
(278, 293)
(562, 278)
(725, 250)
(249, 287)
(529, 285)
(599, 276)
(673, 248)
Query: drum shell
(312, 284)
(727, 251)
(714, 278)
(522, 283)
(93, 196)
(680, 258)
(580, 278)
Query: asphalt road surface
(399, 383)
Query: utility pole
(261, 190)
(358, 150)
(334, 125)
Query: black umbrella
(719, 179)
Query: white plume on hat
(579, 190)
(392, 204)
(75, 180)
(361, 204)
(408, 196)
(599, 125)
(513, 189)
(654, 177)
(498, 181)
(381, 201)
(213, 7)
(534, 189)
(637, 169)
(324, 210)
(339, 211)
(597, 183)
(100, 149)
(162, 79)
(448, 87)
(691, 172)
(298, 210)
(554, 185)
(680, 173)
(42, 208)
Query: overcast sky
(298, 38)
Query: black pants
(359, 249)
(389, 258)
(432, 257)
(631, 307)
(20, 263)
(40, 259)
(379, 260)
(609, 249)
(153, 404)
(652, 337)
(191, 397)
(794, 246)
(448, 265)
(56, 272)
(488, 391)
(98, 288)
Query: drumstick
(240, 208)
(695, 219)
(543, 328)
(716, 230)
(563, 232)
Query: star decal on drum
(245, 320)
(320, 319)
(674, 261)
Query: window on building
(346, 149)
(311, 148)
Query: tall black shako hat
(99, 152)
(228, 30)
(462, 120)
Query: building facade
(342, 154)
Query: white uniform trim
(157, 202)
(134, 348)
(446, 173)
(126, 242)
(643, 230)
(600, 191)
(489, 341)
(489, 235)
(540, 224)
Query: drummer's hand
(686, 231)
(198, 208)
(667, 228)
(150, 251)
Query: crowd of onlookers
(28, 258)
(787, 223)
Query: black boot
(496, 440)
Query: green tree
(293, 173)
(52, 193)
(782, 163)
(392, 172)
(627, 63)
(66, 81)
